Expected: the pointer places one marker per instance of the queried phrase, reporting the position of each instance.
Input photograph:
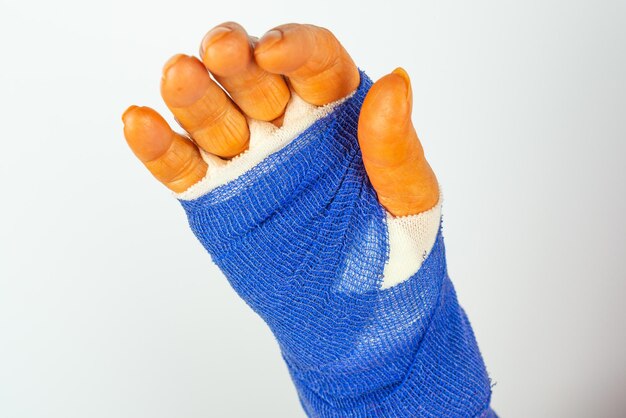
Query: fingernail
(127, 111)
(213, 36)
(170, 63)
(402, 73)
(268, 40)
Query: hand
(359, 300)
(256, 73)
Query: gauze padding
(303, 240)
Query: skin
(257, 73)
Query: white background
(110, 308)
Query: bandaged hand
(309, 224)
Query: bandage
(360, 301)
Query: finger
(202, 108)
(319, 68)
(227, 52)
(392, 153)
(173, 159)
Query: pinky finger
(172, 158)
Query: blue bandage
(303, 240)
